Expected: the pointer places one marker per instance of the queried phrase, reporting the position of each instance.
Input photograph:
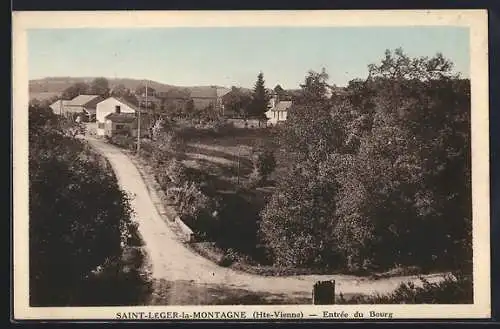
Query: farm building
(59, 106)
(83, 104)
(115, 105)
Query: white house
(278, 112)
(108, 106)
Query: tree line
(83, 244)
(378, 177)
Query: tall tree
(260, 98)
(79, 88)
(314, 88)
(279, 91)
(237, 101)
(100, 86)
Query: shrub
(79, 220)
(454, 289)
(176, 172)
(123, 141)
(264, 163)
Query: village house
(123, 112)
(84, 105)
(278, 110)
(59, 106)
(124, 124)
(173, 100)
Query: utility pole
(139, 120)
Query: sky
(234, 56)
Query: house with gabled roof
(278, 109)
(121, 109)
(58, 107)
(83, 104)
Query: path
(173, 261)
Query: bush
(454, 289)
(79, 220)
(176, 171)
(123, 141)
(264, 163)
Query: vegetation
(376, 171)
(260, 98)
(84, 246)
(79, 88)
(454, 289)
(356, 179)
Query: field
(227, 158)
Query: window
(100, 125)
(119, 126)
(117, 109)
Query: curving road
(171, 260)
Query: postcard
(250, 165)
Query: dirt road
(173, 261)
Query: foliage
(124, 141)
(100, 86)
(79, 218)
(298, 222)
(79, 88)
(391, 160)
(189, 109)
(260, 98)
(264, 163)
(121, 91)
(454, 289)
(314, 88)
(237, 102)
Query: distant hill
(53, 86)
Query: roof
(56, 106)
(282, 106)
(82, 100)
(120, 117)
(124, 101)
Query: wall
(276, 116)
(106, 107)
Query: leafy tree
(394, 158)
(100, 86)
(120, 90)
(79, 88)
(260, 98)
(237, 101)
(314, 88)
(79, 219)
(279, 90)
(297, 223)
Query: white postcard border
(475, 20)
